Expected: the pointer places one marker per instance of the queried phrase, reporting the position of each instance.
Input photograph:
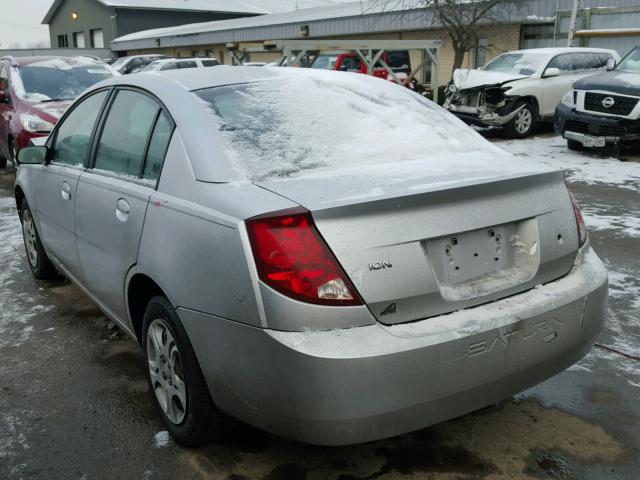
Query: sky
(20, 22)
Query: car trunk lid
(418, 245)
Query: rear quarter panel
(193, 243)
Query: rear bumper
(574, 125)
(361, 384)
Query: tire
(173, 367)
(575, 145)
(41, 266)
(523, 123)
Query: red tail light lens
(292, 258)
(582, 228)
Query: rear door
(572, 66)
(113, 194)
(57, 181)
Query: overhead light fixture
(75, 15)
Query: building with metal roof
(95, 23)
(533, 23)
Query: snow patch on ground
(161, 439)
(580, 166)
(18, 308)
(13, 440)
(627, 225)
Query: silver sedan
(326, 256)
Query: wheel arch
(140, 289)
(533, 101)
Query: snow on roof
(227, 6)
(248, 6)
(349, 9)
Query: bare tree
(461, 19)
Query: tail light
(582, 228)
(292, 258)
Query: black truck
(603, 109)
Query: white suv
(517, 89)
(176, 63)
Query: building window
(97, 38)
(78, 40)
(63, 41)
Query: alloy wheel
(166, 372)
(523, 121)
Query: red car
(36, 91)
(399, 61)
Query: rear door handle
(122, 209)
(66, 191)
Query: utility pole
(572, 25)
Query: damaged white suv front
(520, 88)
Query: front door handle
(122, 210)
(66, 191)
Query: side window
(399, 61)
(169, 66)
(158, 147)
(210, 63)
(564, 62)
(125, 133)
(600, 61)
(585, 61)
(188, 64)
(73, 136)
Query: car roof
(182, 59)
(558, 50)
(193, 79)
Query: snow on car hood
(464, 78)
(50, 111)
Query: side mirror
(551, 72)
(32, 155)
(611, 64)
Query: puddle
(514, 440)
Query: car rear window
(308, 120)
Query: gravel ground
(74, 402)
